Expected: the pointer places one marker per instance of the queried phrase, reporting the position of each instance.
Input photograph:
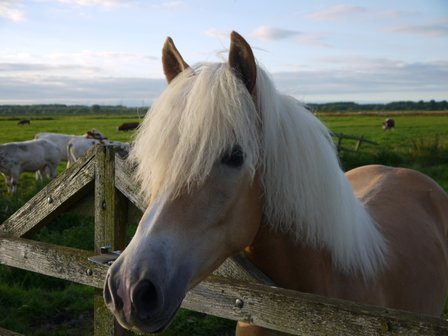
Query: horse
(39, 155)
(62, 140)
(78, 147)
(229, 165)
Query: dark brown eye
(234, 158)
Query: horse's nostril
(111, 300)
(145, 299)
(106, 294)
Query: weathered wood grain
(110, 205)
(270, 307)
(240, 268)
(304, 314)
(54, 198)
(53, 260)
(4, 332)
(110, 229)
(124, 181)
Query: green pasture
(418, 141)
(77, 125)
(408, 128)
(33, 304)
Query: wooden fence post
(110, 230)
(359, 143)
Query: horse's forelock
(201, 114)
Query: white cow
(78, 147)
(28, 156)
(61, 140)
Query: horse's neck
(310, 270)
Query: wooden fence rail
(359, 141)
(259, 302)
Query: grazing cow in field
(78, 147)
(61, 140)
(28, 156)
(128, 126)
(24, 122)
(388, 124)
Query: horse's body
(400, 200)
(229, 164)
(78, 147)
(62, 140)
(28, 156)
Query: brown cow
(128, 126)
(24, 122)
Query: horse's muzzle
(142, 305)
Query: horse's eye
(235, 158)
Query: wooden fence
(359, 140)
(237, 290)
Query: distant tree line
(61, 109)
(421, 105)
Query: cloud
(435, 30)
(267, 33)
(69, 90)
(86, 77)
(262, 32)
(271, 33)
(21, 68)
(174, 4)
(366, 79)
(85, 63)
(213, 32)
(337, 12)
(397, 14)
(362, 79)
(356, 79)
(10, 10)
(100, 3)
(110, 4)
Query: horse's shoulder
(375, 176)
(383, 184)
(366, 179)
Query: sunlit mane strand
(306, 192)
(207, 110)
(202, 113)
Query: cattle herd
(43, 154)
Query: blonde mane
(206, 110)
(201, 114)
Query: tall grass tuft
(34, 304)
(428, 150)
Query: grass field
(37, 305)
(408, 128)
(418, 141)
(67, 124)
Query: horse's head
(94, 134)
(190, 227)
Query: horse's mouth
(154, 326)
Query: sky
(108, 52)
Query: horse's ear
(173, 63)
(242, 60)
